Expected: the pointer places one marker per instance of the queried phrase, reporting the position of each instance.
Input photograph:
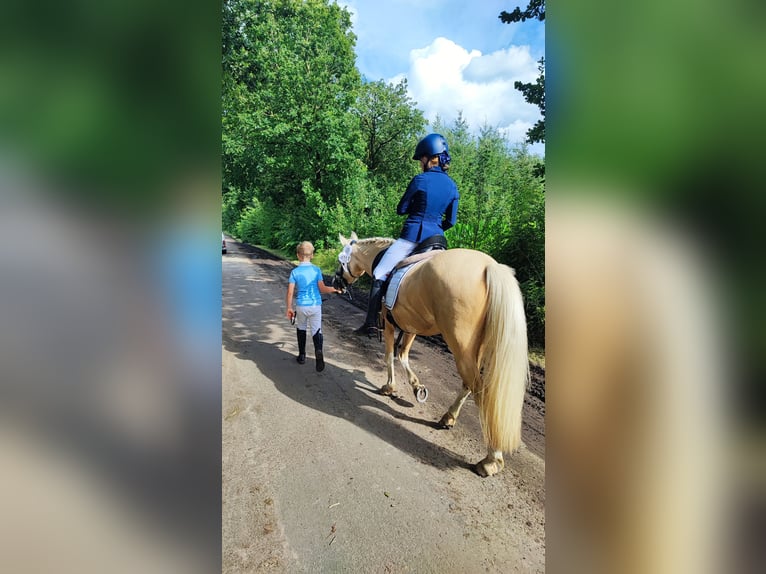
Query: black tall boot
(301, 358)
(318, 353)
(370, 327)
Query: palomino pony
(476, 305)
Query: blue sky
(456, 55)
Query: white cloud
(445, 78)
(515, 63)
(515, 132)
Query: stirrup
(372, 331)
(361, 330)
(369, 330)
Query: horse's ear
(353, 236)
(343, 240)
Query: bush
(534, 307)
(230, 213)
(326, 260)
(366, 207)
(247, 226)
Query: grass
(537, 357)
(279, 253)
(326, 260)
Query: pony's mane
(376, 241)
(373, 242)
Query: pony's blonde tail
(505, 363)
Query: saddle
(433, 243)
(423, 250)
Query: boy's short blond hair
(305, 249)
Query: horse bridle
(344, 258)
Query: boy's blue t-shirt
(305, 277)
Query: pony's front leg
(404, 359)
(421, 393)
(390, 387)
(492, 464)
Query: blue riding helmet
(431, 145)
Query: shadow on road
(339, 392)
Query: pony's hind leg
(390, 387)
(450, 417)
(492, 464)
(469, 372)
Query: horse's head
(349, 269)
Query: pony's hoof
(489, 467)
(447, 421)
(387, 390)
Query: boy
(308, 309)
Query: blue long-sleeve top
(430, 203)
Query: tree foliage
(390, 124)
(534, 93)
(534, 11)
(289, 80)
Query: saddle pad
(393, 286)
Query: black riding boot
(370, 327)
(301, 358)
(318, 339)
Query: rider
(430, 204)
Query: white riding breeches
(308, 316)
(399, 249)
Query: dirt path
(322, 474)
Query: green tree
(522, 245)
(535, 10)
(534, 93)
(462, 148)
(390, 124)
(289, 139)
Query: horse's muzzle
(338, 282)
